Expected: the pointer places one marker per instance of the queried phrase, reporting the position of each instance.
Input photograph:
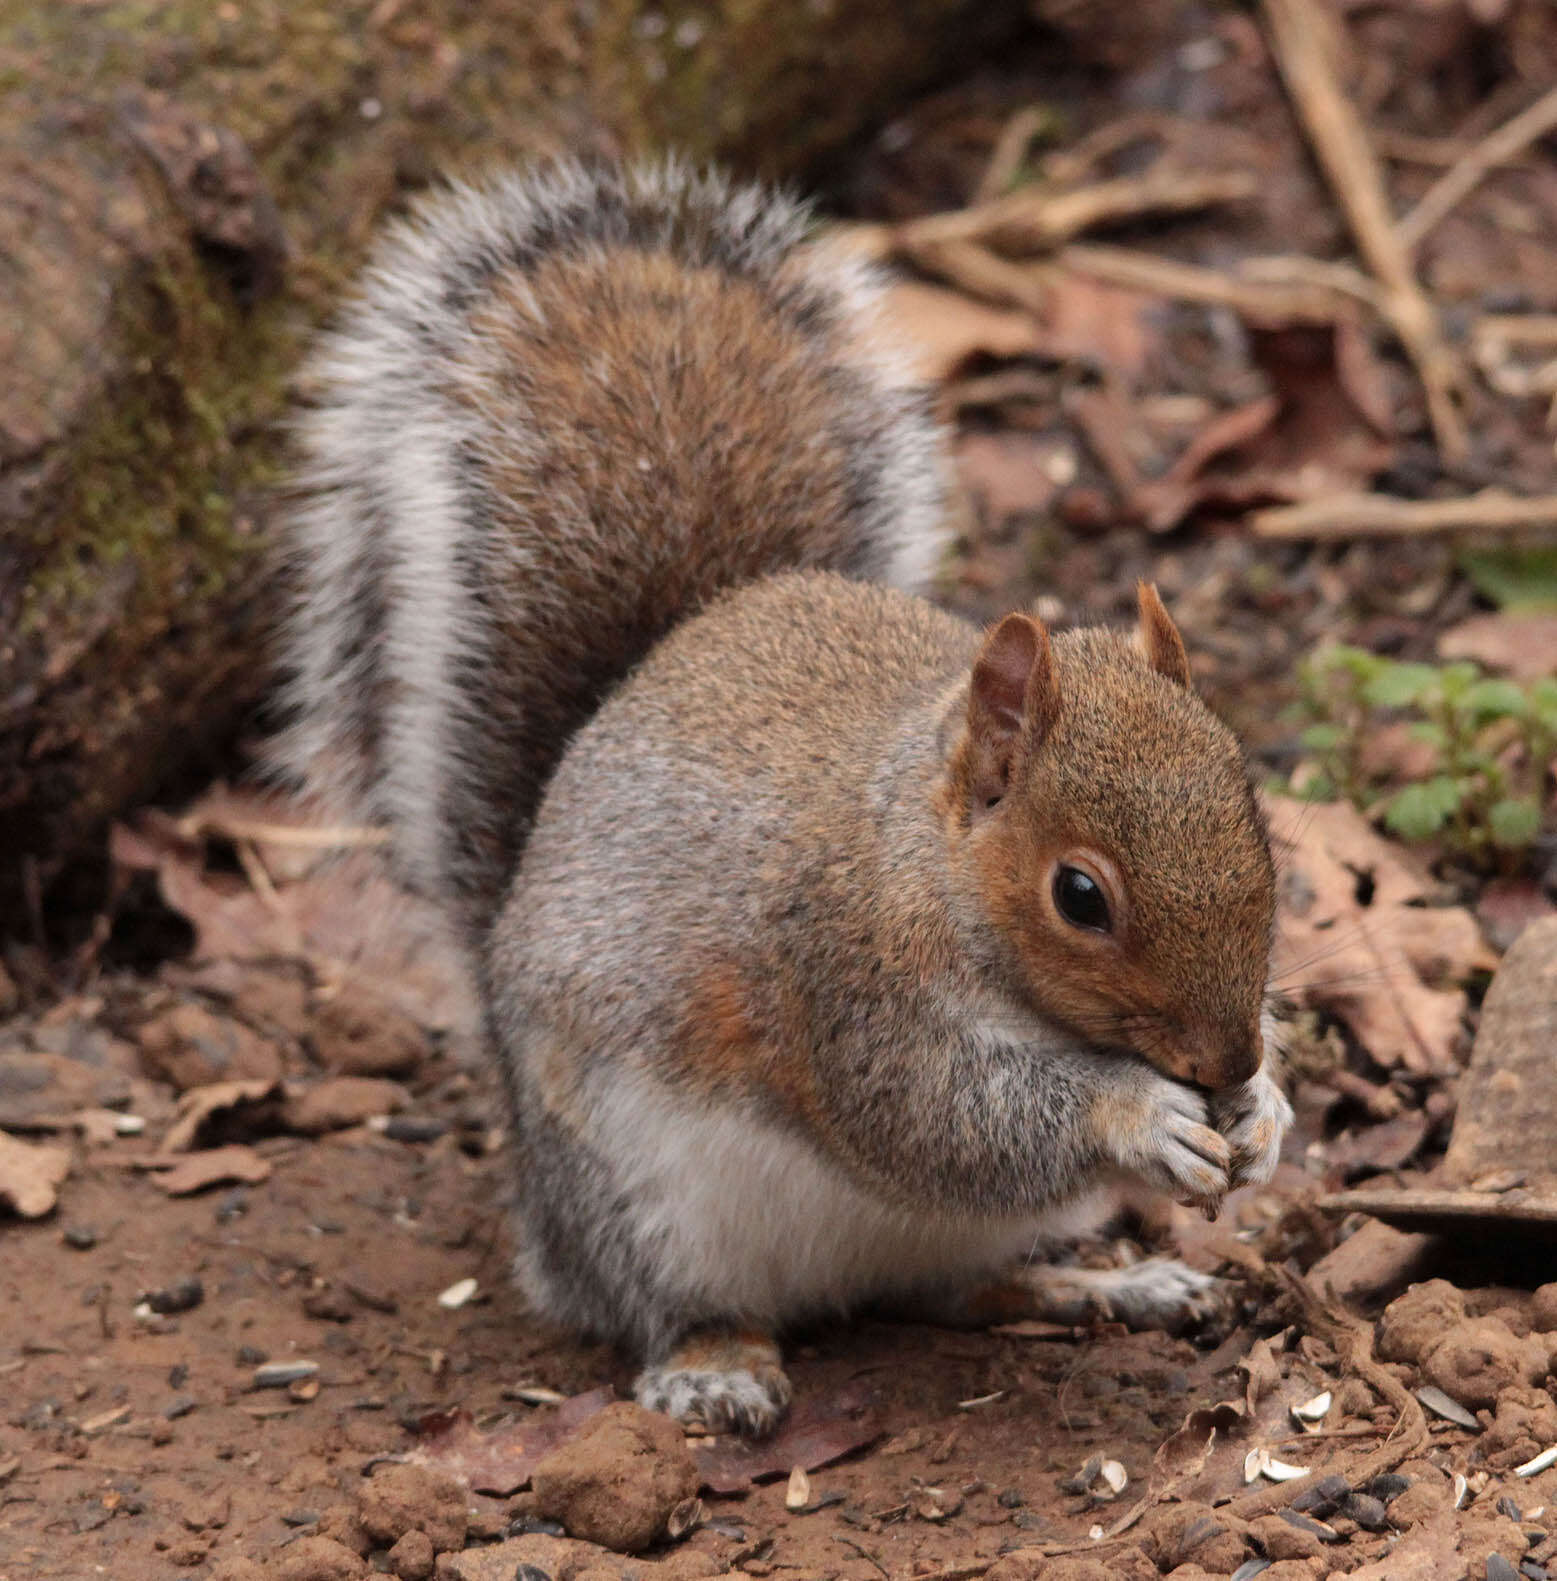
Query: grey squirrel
(833, 951)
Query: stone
(189, 1046)
(1414, 1323)
(400, 1499)
(412, 1557)
(617, 1479)
(1509, 1091)
(317, 1559)
(1478, 1359)
(340, 1102)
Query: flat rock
(1508, 1095)
(617, 1480)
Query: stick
(980, 273)
(1272, 302)
(1011, 147)
(1298, 29)
(1034, 220)
(1379, 515)
(1460, 180)
(1354, 1340)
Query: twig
(1298, 28)
(1354, 1340)
(1011, 148)
(980, 273)
(1441, 151)
(1379, 515)
(1035, 219)
(1457, 183)
(1300, 302)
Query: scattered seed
(1249, 1569)
(1095, 1533)
(1010, 1499)
(1387, 1486)
(106, 1419)
(1312, 1412)
(798, 1494)
(982, 1399)
(1461, 1491)
(282, 1374)
(304, 1390)
(1499, 1569)
(457, 1295)
(1441, 1404)
(1324, 1496)
(179, 1405)
(684, 1519)
(129, 1124)
(1114, 1475)
(533, 1394)
(250, 1356)
(1367, 1511)
(1083, 1479)
(1261, 1463)
(1547, 1457)
(1506, 1506)
(79, 1237)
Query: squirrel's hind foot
(1156, 1293)
(721, 1380)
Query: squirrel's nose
(1227, 1059)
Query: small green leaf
(1397, 685)
(1426, 731)
(1515, 579)
(1458, 678)
(1419, 811)
(1514, 821)
(1495, 700)
(1322, 738)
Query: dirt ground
(245, 1123)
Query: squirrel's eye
(1080, 901)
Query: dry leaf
(942, 330)
(500, 1462)
(1354, 940)
(820, 1430)
(1185, 1453)
(1521, 645)
(225, 1110)
(1264, 1375)
(31, 1175)
(188, 1173)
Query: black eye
(1079, 898)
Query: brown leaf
(1521, 645)
(818, 1431)
(1164, 502)
(1090, 321)
(943, 330)
(1264, 1375)
(218, 1166)
(500, 1462)
(1353, 936)
(31, 1175)
(224, 1110)
(1185, 1453)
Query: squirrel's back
(566, 409)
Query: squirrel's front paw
(1158, 1129)
(720, 1381)
(1254, 1119)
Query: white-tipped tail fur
(526, 460)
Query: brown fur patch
(723, 1047)
(725, 1350)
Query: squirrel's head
(1106, 822)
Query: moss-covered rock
(184, 186)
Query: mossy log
(184, 186)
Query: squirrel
(834, 952)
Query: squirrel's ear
(1160, 637)
(1012, 701)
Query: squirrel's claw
(1254, 1119)
(1162, 1136)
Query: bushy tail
(565, 409)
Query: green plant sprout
(1492, 742)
